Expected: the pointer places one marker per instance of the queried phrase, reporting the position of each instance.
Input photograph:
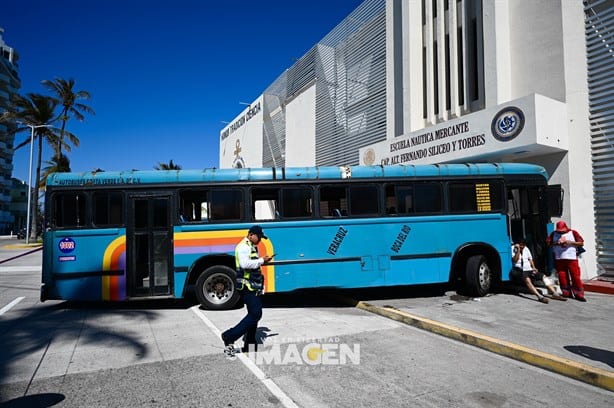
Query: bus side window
(297, 202)
(399, 199)
(364, 200)
(265, 204)
(108, 208)
(467, 197)
(428, 197)
(193, 206)
(227, 204)
(462, 197)
(69, 210)
(331, 198)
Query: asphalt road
(168, 353)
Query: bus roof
(136, 177)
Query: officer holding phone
(250, 282)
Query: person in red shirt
(565, 243)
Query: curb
(35, 245)
(599, 286)
(31, 250)
(569, 368)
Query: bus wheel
(478, 276)
(216, 289)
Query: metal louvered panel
(599, 23)
(274, 126)
(351, 86)
(274, 141)
(301, 73)
(349, 72)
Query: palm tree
(34, 113)
(68, 99)
(169, 166)
(57, 164)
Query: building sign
(497, 132)
(434, 143)
(428, 146)
(252, 111)
(241, 143)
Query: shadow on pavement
(329, 297)
(596, 354)
(35, 331)
(37, 400)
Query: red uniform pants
(571, 266)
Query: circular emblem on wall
(368, 157)
(507, 123)
(66, 245)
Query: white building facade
(444, 81)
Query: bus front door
(149, 241)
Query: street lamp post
(32, 127)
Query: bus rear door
(149, 245)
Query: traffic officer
(250, 283)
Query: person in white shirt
(565, 243)
(522, 261)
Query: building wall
(301, 130)
(459, 65)
(19, 205)
(536, 50)
(9, 84)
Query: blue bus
(117, 236)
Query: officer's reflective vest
(252, 278)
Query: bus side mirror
(555, 200)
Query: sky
(164, 76)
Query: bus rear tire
(478, 276)
(216, 288)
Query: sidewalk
(571, 338)
(10, 242)
(12, 249)
(600, 284)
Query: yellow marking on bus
(106, 265)
(267, 270)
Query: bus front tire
(216, 289)
(478, 276)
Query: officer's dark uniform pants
(248, 325)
